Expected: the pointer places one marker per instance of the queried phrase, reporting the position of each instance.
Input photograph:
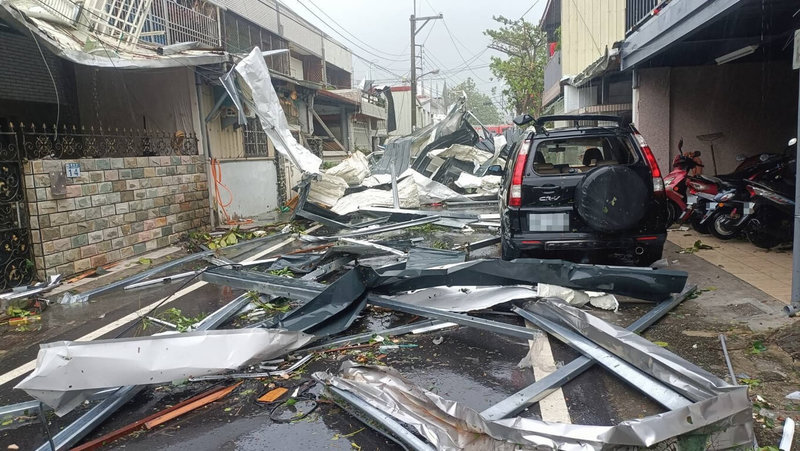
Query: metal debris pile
(296, 306)
(443, 164)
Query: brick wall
(117, 208)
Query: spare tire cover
(611, 198)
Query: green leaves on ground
(698, 245)
(752, 383)
(229, 238)
(757, 347)
(175, 316)
(283, 272)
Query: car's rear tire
(612, 199)
(650, 255)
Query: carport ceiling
(770, 24)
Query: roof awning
(89, 49)
(609, 62)
(674, 23)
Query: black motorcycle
(773, 218)
(731, 211)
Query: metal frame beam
(542, 388)
(644, 382)
(76, 430)
(637, 379)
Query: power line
(588, 30)
(349, 33)
(348, 39)
(452, 39)
(528, 10)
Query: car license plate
(548, 222)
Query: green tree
(522, 69)
(479, 103)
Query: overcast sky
(384, 28)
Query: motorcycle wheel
(763, 240)
(699, 228)
(719, 227)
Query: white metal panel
(296, 69)
(338, 55)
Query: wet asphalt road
(471, 366)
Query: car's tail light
(658, 182)
(515, 192)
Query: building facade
(127, 99)
(582, 74)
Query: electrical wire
(588, 30)
(528, 10)
(452, 39)
(55, 86)
(351, 34)
(346, 38)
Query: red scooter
(675, 182)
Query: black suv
(591, 189)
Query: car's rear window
(581, 154)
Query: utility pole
(414, 30)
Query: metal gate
(16, 262)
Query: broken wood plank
(327, 130)
(191, 406)
(273, 394)
(127, 429)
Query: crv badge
(549, 198)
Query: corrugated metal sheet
(587, 28)
(223, 143)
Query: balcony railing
(169, 22)
(638, 11)
(67, 142)
(118, 19)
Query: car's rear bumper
(583, 241)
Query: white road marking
(554, 406)
(30, 366)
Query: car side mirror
(523, 119)
(495, 169)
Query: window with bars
(242, 35)
(256, 143)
